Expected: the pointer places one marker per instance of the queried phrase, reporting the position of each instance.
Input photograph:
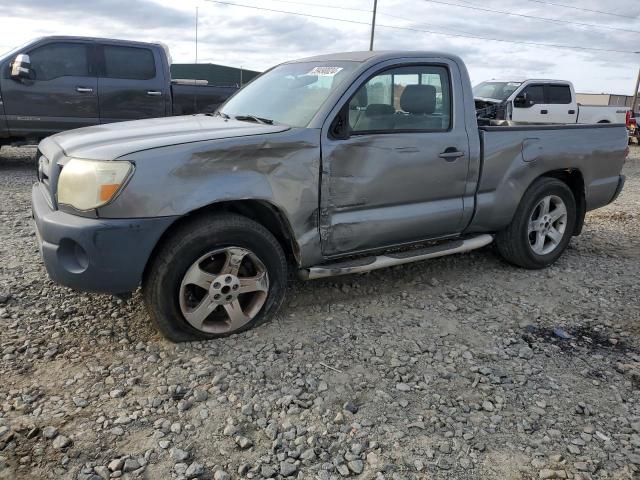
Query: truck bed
(513, 156)
(197, 98)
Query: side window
(559, 94)
(130, 63)
(403, 99)
(60, 60)
(535, 92)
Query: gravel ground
(448, 368)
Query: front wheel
(215, 276)
(542, 227)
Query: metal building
(218, 75)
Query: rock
(343, 470)
(61, 442)
(130, 464)
(356, 466)
(230, 430)
(288, 468)
(194, 470)
(80, 402)
(546, 474)
(102, 471)
(243, 442)
(525, 352)
(49, 432)
(308, 455)
(403, 387)
(488, 406)
(178, 454)
(350, 407)
(267, 471)
(221, 475)
(116, 464)
(581, 466)
(117, 393)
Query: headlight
(88, 184)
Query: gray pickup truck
(329, 165)
(53, 84)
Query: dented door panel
(391, 188)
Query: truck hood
(113, 140)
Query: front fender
(281, 169)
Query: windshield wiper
(253, 118)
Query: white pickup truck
(539, 101)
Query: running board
(366, 264)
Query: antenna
(373, 23)
(196, 34)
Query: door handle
(571, 112)
(154, 93)
(544, 112)
(84, 89)
(451, 154)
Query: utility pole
(635, 94)
(196, 34)
(373, 23)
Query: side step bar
(366, 264)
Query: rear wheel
(215, 276)
(542, 227)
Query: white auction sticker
(324, 71)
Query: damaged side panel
(281, 169)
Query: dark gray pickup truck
(54, 84)
(329, 165)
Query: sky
(257, 39)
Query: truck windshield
(495, 90)
(290, 94)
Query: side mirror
(523, 101)
(21, 67)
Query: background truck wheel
(215, 276)
(542, 226)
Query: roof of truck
(95, 39)
(373, 57)
(522, 80)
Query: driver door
(61, 93)
(536, 111)
(401, 174)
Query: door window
(130, 63)
(559, 94)
(535, 93)
(403, 99)
(60, 60)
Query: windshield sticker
(514, 84)
(324, 71)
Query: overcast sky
(255, 39)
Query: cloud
(133, 13)
(257, 39)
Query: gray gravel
(448, 368)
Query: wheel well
(575, 181)
(604, 121)
(261, 212)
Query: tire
(191, 267)
(520, 245)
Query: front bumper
(94, 254)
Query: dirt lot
(448, 368)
